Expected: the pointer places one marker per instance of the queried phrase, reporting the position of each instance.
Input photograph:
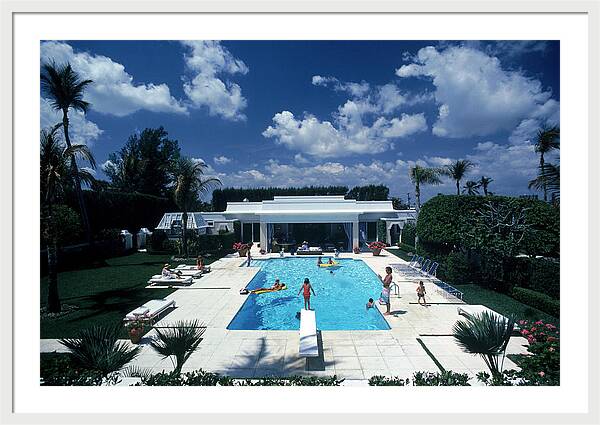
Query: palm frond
(178, 341)
(98, 348)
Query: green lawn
(103, 295)
(503, 304)
(402, 253)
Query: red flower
(539, 322)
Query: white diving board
(309, 346)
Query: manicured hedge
(120, 210)
(545, 277)
(408, 234)
(445, 220)
(538, 300)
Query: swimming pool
(339, 303)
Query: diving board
(309, 346)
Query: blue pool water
(339, 303)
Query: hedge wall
(538, 300)
(445, 219)
(408, 234)
(120, 210)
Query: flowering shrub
(377, 245)
(542, 365)
(423, 379)
(239, 246)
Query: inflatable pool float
(333, 265)
(262, 291)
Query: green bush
(538, 300)
(545, 277)
(424, 379)
(445, 221)
(157, 241)
(202, 378)
(456, 269)
(408, 234)
(58, 369)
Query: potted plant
(376, 247)
(136, 329)
(241, 248)
(356, 249)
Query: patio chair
(150, 310)
(157, 279)
(433, 269)
(424, 267)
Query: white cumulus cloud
(209, 63)
(113, 90)
(221, 160)
(81, 130)
(475, 94)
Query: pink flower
(524, 332)
(539, 322)
(551, 349)
(533, 329)
(542, 374)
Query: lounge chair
(190, 273)
(156, 279)
(433, 269)
(309, 344)
(205, 269)
(150, 310)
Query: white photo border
(7, 213)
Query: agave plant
(486, 334)
(98, 348)
(178, 342)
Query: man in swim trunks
(276, 287)
(385, 292)
(306, 290)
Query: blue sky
(287, 113)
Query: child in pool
(370, 304)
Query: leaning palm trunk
(544, 184)
(77, 181)
(52, 248)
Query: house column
(355, 234)
(388, 233)
(263, 236)
(241, 231)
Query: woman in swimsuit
(385, 293)
(306, 290)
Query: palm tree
(55, 172)
(484, 183)
(98, 348)
(65, 90)
(179, 341)
(547, 139)
(190, 185)
(457, 171)
(487, 335)
(420, 176)
(548, 179)
(471, 188)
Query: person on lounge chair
(304, 246)
(167, 273)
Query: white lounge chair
(150, 311)
(190, 273)
(206, 269)
(169, 281)
(309, 345)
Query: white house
(286, 217)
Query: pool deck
(354, 355)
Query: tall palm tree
(457, 171)
(420, 176)
(547, 140)
(487, 335)
(190, 185)
(484, 182)
(471, 188)
(56, 171)
(64, 88)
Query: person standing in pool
(385, 292)
(306, 289)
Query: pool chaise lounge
(184, 267)
(150, 310)
(309, 345)
(156, 279)
(313, 250)
(190, 273)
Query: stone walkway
(354, 355)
